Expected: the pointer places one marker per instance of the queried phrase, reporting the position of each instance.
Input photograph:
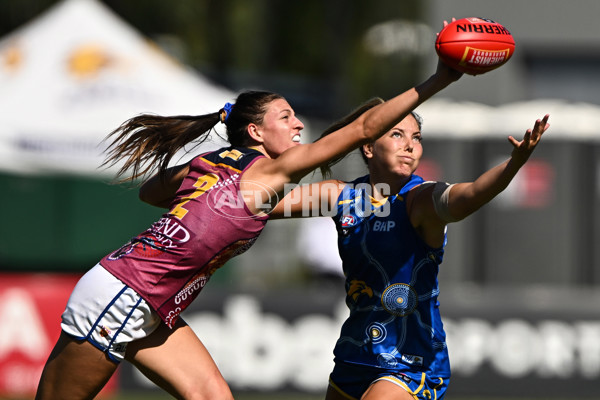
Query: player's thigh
(386, 390)
(75, 369)
(176, 360)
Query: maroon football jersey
(207, 224)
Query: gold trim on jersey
(340, 391)
(220, 165)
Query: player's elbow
(146, 197)
(150, 197)
(371, 130)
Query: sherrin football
(474, 45)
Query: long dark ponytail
(146, 143)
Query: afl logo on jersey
(348, 220)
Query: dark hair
(326, 168)
(148, 142)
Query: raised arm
(432, 208)
(296, 162)
(310, 200)
(466, 198)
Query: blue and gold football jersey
(391, 285)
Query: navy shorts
(352, 381)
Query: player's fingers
(513, 141)
(527, 136)
(545, 122)
(537, 127)
(542, 124)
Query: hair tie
(225, 112)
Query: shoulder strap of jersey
(347, 214)
(235, 157)
(347, 192)
(414, 180)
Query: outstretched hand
(523, 149)
(445, 71)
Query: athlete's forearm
(384, 117)
(466, 198)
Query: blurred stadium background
(520, 281)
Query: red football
(474, 45)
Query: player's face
(280, 129)
(398, 151)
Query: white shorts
(107, 313)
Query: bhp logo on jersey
(383, 226)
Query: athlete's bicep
(424, 216)
(298, 161)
